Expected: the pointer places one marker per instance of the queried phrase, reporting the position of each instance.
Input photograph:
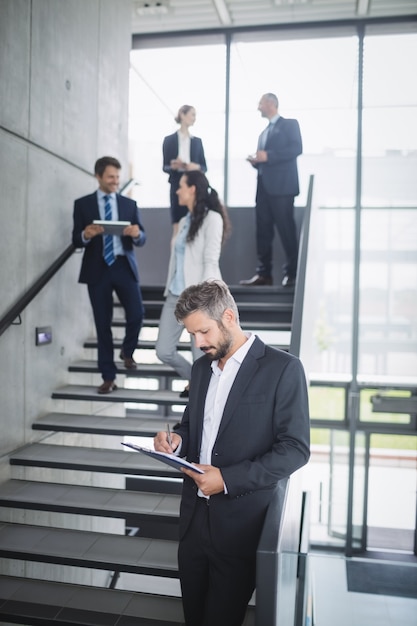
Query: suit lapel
(202, 383)
(245, 374)
(274, 130)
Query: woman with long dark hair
(181, 153)
(195, 256)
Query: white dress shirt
(184, 147)
(218, 391)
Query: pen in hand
(169, 439)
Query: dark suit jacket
(264, 436)
(284, 145)
(170, 151)
(85, 212)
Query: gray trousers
(168, 335)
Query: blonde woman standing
(182, 153)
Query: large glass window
(388, 279)
(161, 81)
(365, 180)
(316, 82)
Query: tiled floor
(334, 604)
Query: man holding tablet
(109, 264)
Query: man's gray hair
(272, 97)
(211, 297)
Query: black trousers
(119, 278)
(216, 588)
(275, 212)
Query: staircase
(121, 569)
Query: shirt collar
(274, 119)
(238, 356)
(101, 194)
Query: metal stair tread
(148, 344)
(91, 342)
(87, 392)
(27, 598)
(81, 548)
(102, 424)
(91, 460)
(143, 369)
(44, 602)
(86, 500)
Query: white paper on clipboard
(170, 459)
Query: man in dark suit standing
(247, 426)
(109, 264)
(279, 145)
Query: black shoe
(256, 280)
(107, 387)
(129, 362)
(287, 281)
(185, 393)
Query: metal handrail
(16, 309)
(297, 318)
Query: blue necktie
(108, 239)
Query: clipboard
(169, 459)
(112, 227)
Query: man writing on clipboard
(246, 426)
(109, 264)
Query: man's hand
(210, 483)
(161, 442)
(132, 231)
(261, 156)
(92, 230)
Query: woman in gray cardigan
(195, 255)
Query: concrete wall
(63, 102)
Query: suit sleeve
(78, 225)
(135, 219)
(167, 154)
(290, 443)
(286, 145)
(202, 158)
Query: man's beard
(222, 349)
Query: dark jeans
(275, 211)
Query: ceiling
(165, 16)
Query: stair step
(85, 500)
(44, 603)
(87, 392)
(240, 293)
(249, 312)
(102, 424)
(91, 342)
(79, 548)
(91, 460)
(246, 324)
(143, 369)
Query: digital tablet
(112, 228)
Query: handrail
(297, 317)
(267, 561)
(16, 309)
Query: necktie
(108, 239)
(264, 136)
